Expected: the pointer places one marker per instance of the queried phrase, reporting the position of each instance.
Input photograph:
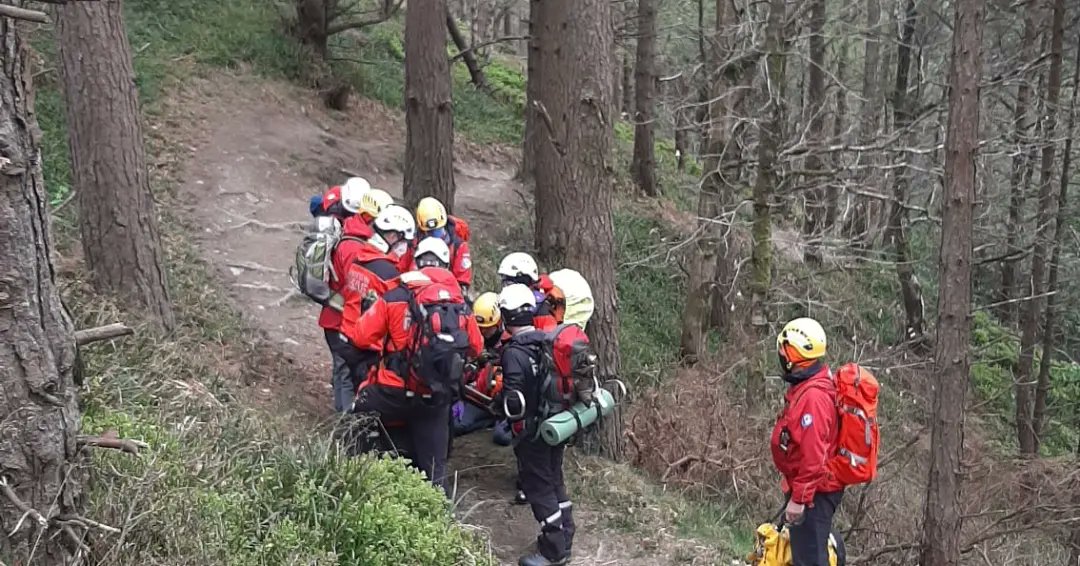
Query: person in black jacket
(540, 466)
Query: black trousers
(424, 436)
(540, 472)
(350, 367)
(810, 539)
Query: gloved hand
(369, 299)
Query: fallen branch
(99, 333)
(23, 14)
(270, 226)
(75, 539)
(121, 444)
(252, 266)
(5, 488)
(259, 287)
(292, 293)
(85, 523)
(67, 200)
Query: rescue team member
(362, 264)
(540, 466)
(345, 200)
(485, 375)
(393, 391)
(520, 267)
(433, 221)
(803, 439)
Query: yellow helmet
(486, 310)
(373, 201)
(801, 340)
(430, 214)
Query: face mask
(399, 248)
(438, 233)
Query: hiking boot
(519, 498)
(539, 560)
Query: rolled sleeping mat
(560, 427)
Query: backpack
(855, 460)
(314, 266)
(772, 547)
(568, 364)
(441, 340)
(459, 228)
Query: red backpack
(459, 228)
(855, 461)
(570, 363)
(440, 340)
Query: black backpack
(440, 342)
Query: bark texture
(644, 160)
(858, 225)
(532, 134)
(1042, 388)
(1029, 313)
(769, 140)
(896, 230)
(815, 133)
(38, 394)
(952, 356)
(574, 171)
(117, 221)
(1021, 171)
(708, 260)
(429, 112)
(468, 55)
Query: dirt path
(258, 150)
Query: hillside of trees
(900, 170)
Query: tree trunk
(1042, 390)
(311, 25)
(644, 161)
(574, 171)
(815, 134)
(476, 74)
(1029, 313)
(1021, 172)
(708, 258)
(533, 121)
(429, 114)
(117, 222)
(38, 453)
(626, 105)
(832, 208)
(682, 123)
(857, 226)
(910, 288)
(769, 140)
(952, 353)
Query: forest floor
(250, 152)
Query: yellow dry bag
(772, 547)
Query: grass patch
(630, 503)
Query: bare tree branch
(5, 489)
(121, 444)
(358, 24)
(23, 14)
(497, 40)
(97, 334)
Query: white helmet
(435, 246)
(519, 266)
(373, 201)
(395, 218)
(517, 297)
(352, 193)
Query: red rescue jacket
(388, 324)
(371, 271)
(460, 257)
(544, 320)
(804, 437)
(353, 246)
